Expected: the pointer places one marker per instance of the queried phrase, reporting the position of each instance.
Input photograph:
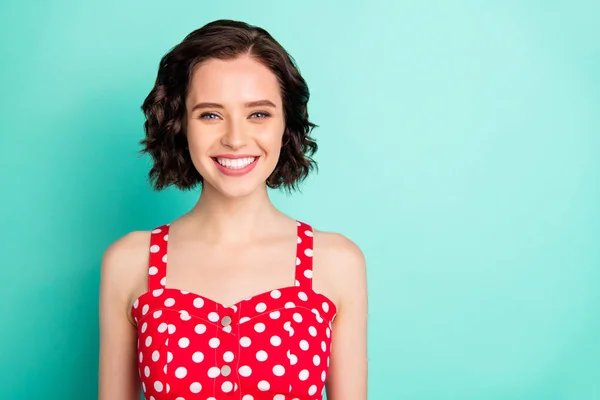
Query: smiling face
(235, 124)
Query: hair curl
(165, 112)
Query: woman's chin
(241, 189)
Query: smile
(237, 166)
(236, 163)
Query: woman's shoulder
(335, 245)
(124, 265)
(128, 249)
(340, 262)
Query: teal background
(459, 149)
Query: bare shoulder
(120, 276)
(127, 245)
(124, 266)
(123, 254)
(335, 246)
(340, 264)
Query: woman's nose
(233, 136)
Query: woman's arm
(347, 378)
(117, 376)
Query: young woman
(250, 304)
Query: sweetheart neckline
(333, 307)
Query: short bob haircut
(165, 111)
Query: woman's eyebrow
(257, 103)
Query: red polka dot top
(274, 345)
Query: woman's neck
(233, 220)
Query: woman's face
(235, 124)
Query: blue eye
(261, 114)
(256, 115)
(208, 115)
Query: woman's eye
(208, 116)
(258, 115)
(261, 115)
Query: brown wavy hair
(165, 112)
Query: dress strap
(304, 256)
(157, 271)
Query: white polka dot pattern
(274, 345)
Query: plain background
(459, 148)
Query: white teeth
(236, 163)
